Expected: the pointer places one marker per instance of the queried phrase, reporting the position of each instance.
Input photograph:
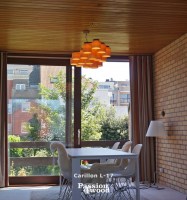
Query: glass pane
(36, 116)
(105, 102)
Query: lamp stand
(155, 176)
(156, 129)
(154, 184)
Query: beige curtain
(142, 112)
(3, 120)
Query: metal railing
(44, 161)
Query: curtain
(142, 112)
(3, 120)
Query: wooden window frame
(56, 60)
(42, 59)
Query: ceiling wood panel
(127, 26)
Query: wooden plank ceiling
(55, 26)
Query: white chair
(108, 161)
(106, 167)
(121, 180)
(114, 147)
(125, 148)
(103, 169)
(64, 163)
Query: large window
(52, 105)
(105, 102)
(36, 116)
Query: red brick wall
(18, 118)
(9, 88)
(170, 94)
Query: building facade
(114, 93)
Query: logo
(94, 188)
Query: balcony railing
(45, 161)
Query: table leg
(76, 192)
(137, 180)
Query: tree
(34, 126)
(97, 121)
(113, 127)
(91, 121)
(15, 152)
(92, 111)
(51, 110)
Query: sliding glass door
(105, 104)
(40, 107)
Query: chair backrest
(125, 148)
(130, 169)
(137, 149)
(115, 145)
(64, 161)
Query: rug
(52, 194)
(45, 194)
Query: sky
(119, 71)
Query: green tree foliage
(97, 121)
(113, 127)
(88, 88)
(42, 153)
(59, 89)
(22, 172)
(15, 152)
(92, 111)
(34, 126)
(91, 122)
(12, 171)
(52, 111)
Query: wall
(170, 94)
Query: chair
(106, 168)
(114, 147)
(124, 148)
(121, 180)
(108, 161)
(64, 163)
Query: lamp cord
(86, 35)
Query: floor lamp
(156, 129)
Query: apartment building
(115, 93)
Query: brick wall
(170, 94)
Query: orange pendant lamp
(92, 54)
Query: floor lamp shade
(156, 129)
